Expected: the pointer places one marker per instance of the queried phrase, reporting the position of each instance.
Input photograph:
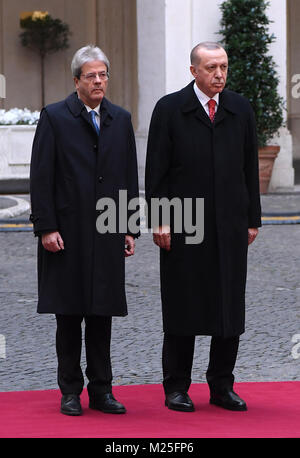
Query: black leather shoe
(107, 404)
(70, 405)
(179, 400)
(228, 400)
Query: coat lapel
(202, 115)
(190, 103)
(226, 106)
(105, 139)
(106, 111)
(77, 108)
(220, 115)
(85, 115)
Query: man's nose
(218, 73)
(97, 79)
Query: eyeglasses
(103, 76)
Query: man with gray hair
(84, 150)
(202, 144)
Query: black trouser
(68, 348)
(178, 353)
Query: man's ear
(193, 71)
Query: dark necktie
(96, 125)
(212, 109)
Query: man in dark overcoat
(83, 151)
(202, 144)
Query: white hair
(87, 54)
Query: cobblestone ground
(273, 316)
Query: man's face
(91, 86)
(211, 72)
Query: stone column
(283, 171)
(151, 70)
(164, 44)
(2, 81)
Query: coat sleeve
(132, 178)
(252, 173)
(42, 173)
(158, 159)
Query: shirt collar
(203, 98)
(96, 109)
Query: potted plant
(44, 35)
(252, 73)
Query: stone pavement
(281, 204)
(267, 352)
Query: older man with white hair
(84, 150)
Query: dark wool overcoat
(203, 285)
(71, 169)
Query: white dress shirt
(204, 99)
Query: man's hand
(252, 233)
(53, 242)
(129, 245)
(162, 237)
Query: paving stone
(272, 316)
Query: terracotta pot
(266, 156)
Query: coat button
(100, 179)
(95, 146)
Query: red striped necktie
(212, 109)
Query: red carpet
(273, 412)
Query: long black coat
(203, 286)
(71, 168)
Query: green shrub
(252, 72)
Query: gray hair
(195, 59)
(87, 54)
